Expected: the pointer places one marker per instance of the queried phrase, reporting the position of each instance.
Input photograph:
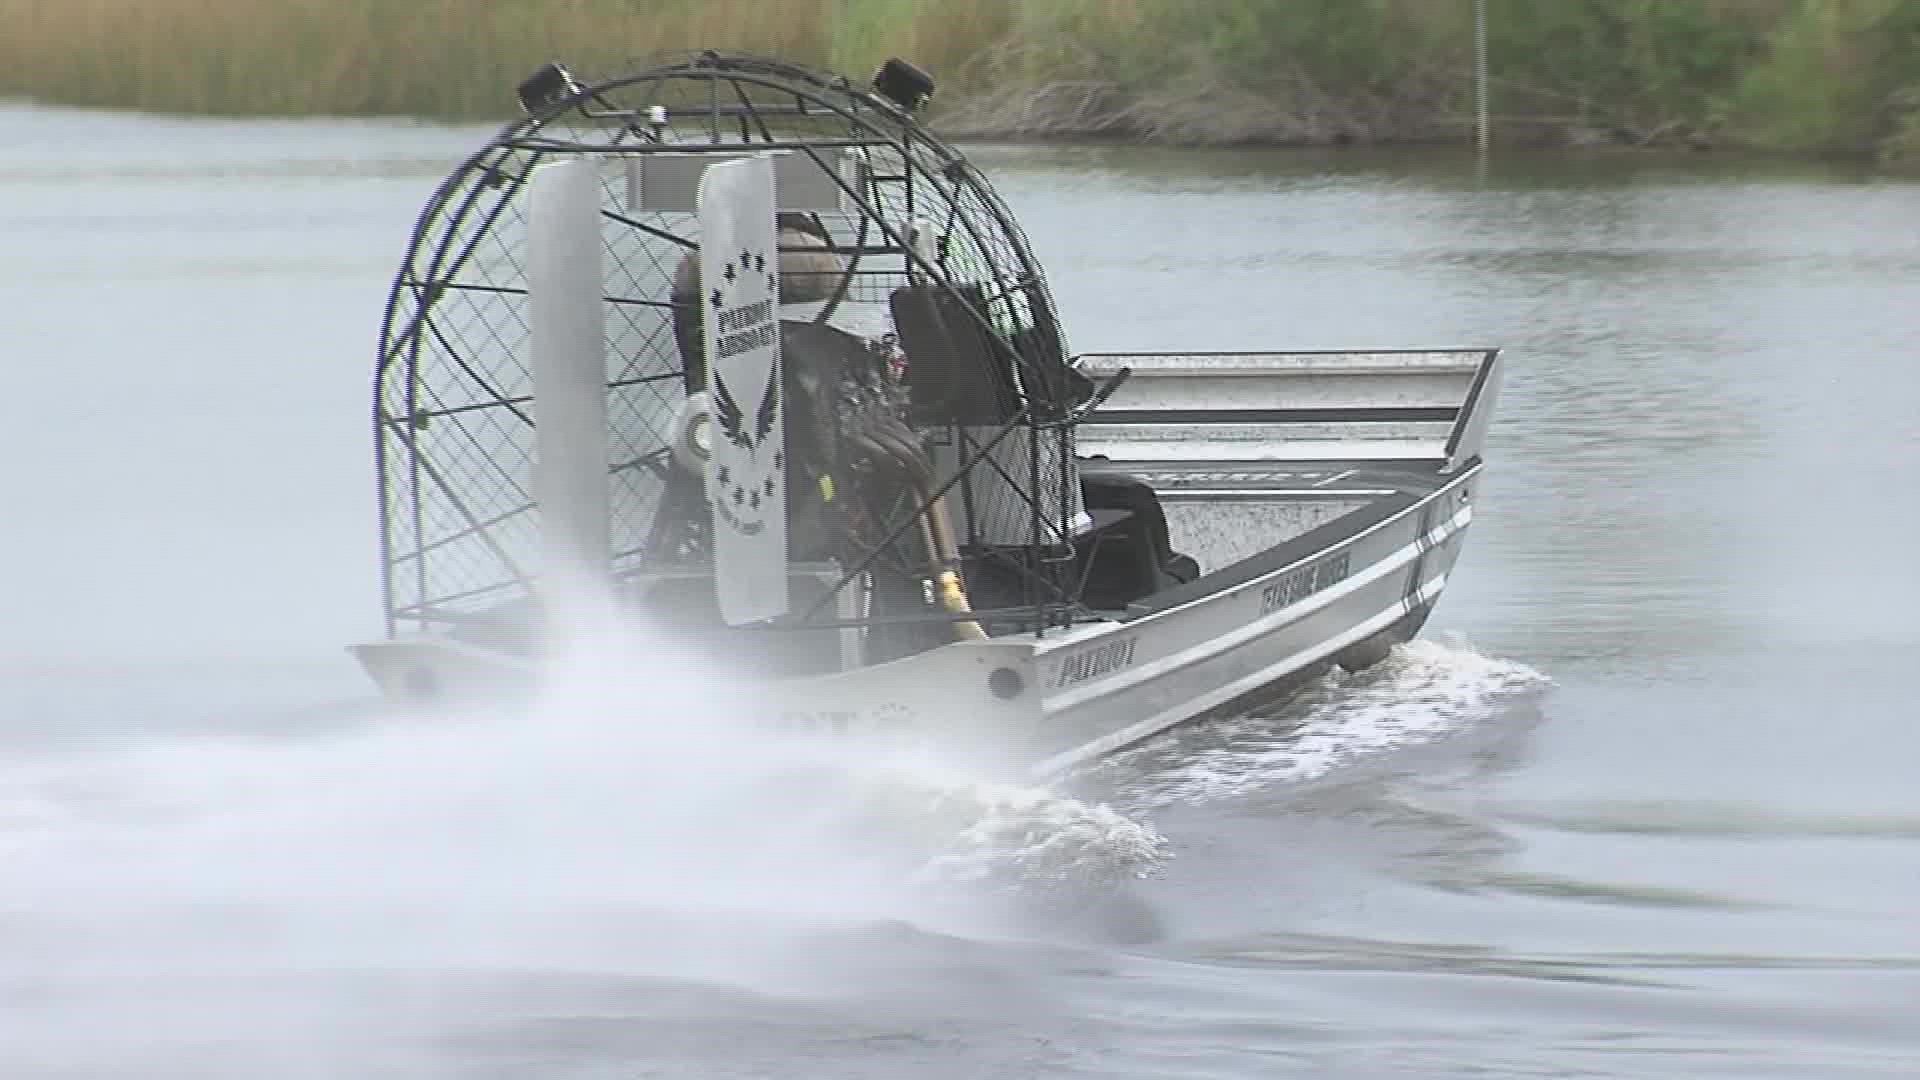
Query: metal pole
(1481, 135)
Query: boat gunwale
(1330, 536)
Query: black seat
(1127, 555)
(960, 372)
(956, 373)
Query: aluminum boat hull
(1380, 532)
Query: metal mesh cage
(454, 412)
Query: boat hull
(1344, 593)
(1326, 495)
(1346, 599)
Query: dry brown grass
(450, 58)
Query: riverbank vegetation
(1797, 75)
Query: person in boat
(812, 275)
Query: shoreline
(1224, 116)
(1802, 77)
(1529, 139)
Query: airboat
(748, 350)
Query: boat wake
(1423, 692)
(626, 823)
(615, 822)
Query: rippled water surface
(1641, 803)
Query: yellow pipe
(954, 599)
(938, 532)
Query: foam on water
(628, 824)
(629, 798)
(1424, 691)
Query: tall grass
(440, 58)
(1796, 74)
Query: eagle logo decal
(747, 461)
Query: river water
(1641, 803)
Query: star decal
(769, 487)
(779, 459)
(760, 263)
(724, 475)
(739, 495)
(729, 275)
(716, 298)
(745, 258)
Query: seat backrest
(1124, 491)
(956, 372)
(1055, 387)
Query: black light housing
(903, 84)
(549, 86)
